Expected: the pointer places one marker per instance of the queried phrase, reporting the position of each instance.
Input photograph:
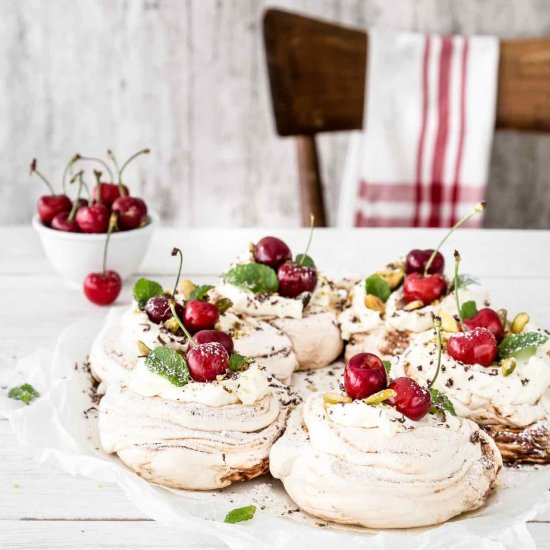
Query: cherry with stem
(49, 206)
(103, 288)
(477, 209)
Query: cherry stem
(102, 162)
(111, 155)
(112, 225)
(437, 326)
(477, 209)
(66, 172)
(129, 160)
(456, 285)
(311, 223)
(78, 177)
(97, 175)
(172, 304)
(175, 252)
(34, 170)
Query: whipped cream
(358, 414)
(247, 388)
(483, 393)
(358, 318)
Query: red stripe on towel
(422, 135)
(456, 189)
(404, 192)
(436, 188)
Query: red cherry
(102, 288)
(412, 400)
(49, 206)
(295, 279)
(200, 315)
(61, 222)
(158, 309)
(131, 212)
(364, 375)
(475, 346)
(417, 259)
(205, 336)
(109, 193)
(487, 318)
(206, 361)
(426, 288)
(93, 219)
(271, 251)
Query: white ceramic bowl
(74, 255)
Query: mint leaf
(305, 260)
(169, 364)
(240, 514)
(378, 287)
(468, 309)
(237, 362)
(25, 393)
(440, 402)
(200, 292)
(527, 342)
(387, 366)
(465, 281)
(144, 289)
(253, 277)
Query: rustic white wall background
(187, 78)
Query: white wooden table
(43, 508)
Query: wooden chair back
(317, 80)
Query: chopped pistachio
(379, 397)
(392, 276)
(185, 288)
(333, 398)
(448, 322)
(519, 322)
(507, 366)
(172, 325)
(143, 348)
(374, 303)
(416, 304)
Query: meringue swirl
(194, 442)
(358, 464)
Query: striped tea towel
(423, 156)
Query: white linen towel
(422, 158)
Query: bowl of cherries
(73, 231)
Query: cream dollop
(482, 393)
(247, 387)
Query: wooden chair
(317, 79)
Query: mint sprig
(254, 277)
(200, 292)
(25, 393)
(238, 362)
(378, 287)
(464, 281)
(240, 514)
(169, 364)
(305, 260)
(525, 342)
(387, 366)
(468, 309)
(440, 402)
(145, 289)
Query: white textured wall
(187, 78)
